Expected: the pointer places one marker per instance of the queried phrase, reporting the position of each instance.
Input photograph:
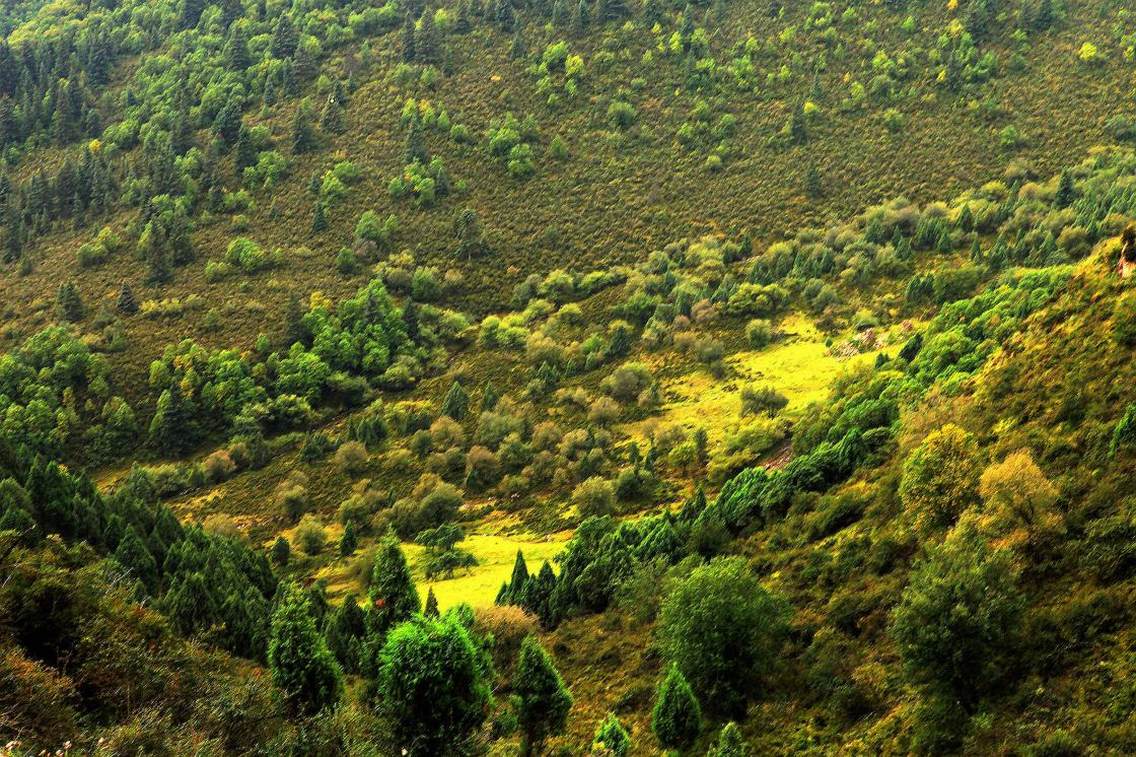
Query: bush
(940, 478)
(723, 630)
(310, 535)
(621, 114)
(595, 496)
(957, 620)
(352, 458)
(1124, 320)
(507, 625)
(759, 333)
(762, 400)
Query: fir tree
(415, 150)
(542, 699)
(427, 45)
(409, 53)
(304, 137)
(676, 718)
(133, 555)
(581, 18)
(345, 631)
(319, 218)
(467, 231)
(155, 252)
(304, 65)
(348, 542)
(730, 743)
(1066, 191)
(517, 48)
(231, 10)
(191, 13)
(245, 155)
(489, 397)
(504, 15)
(69, 302)
(456, 402)
(284, 38)
(281, 551)
(611, 737)
(302, 667)
(560, 15)
(332, 119)
(431, 609)
(393, 596)
(171, 429)
(227, 124)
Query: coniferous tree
(427, 45)
(349, 541)
(154, 250)
(409, 53)
(304, 137)
(281, 551)
(489, 397)
(676, 717)
(285, 39)
(431, 609)
(332, 118)
(191, 13)
(236, 53)
(393, 596)
(730, 743)
(538, 595)
(1066, 191)
(231, 10)
(127, 303)
(305, 67)
(319, 218)
(294, 328)
(133, 555)
(542, 699)
(581, 18)
(346, 629)
(518, 580)
(69, 302)
(245, 154)
(560, 15)
(415, 150)
(171, 428)
(504, 15)
(302, 667)
(517, 48)
(431, 687)
(227, 124)
(612, 737)
(456, 402)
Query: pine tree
(302, 667)
(517, 48)
(542, 699)
(431, 610)
(284, 38)
(504, 15)
(813, 186)
(456, 402)
(393, 596)
(304, 137)
(518, 580)
(227, 124)
(319, 218)
(415, 150)
(236, 53)
(191, 13)
(304, 65)
(652, 13)
(153, 249)
(348, 542)
(171, 428)
(294, 328)
(676, 718)
(231, 10)
(489, 397)
(133, 555)
(245, 155)
(467, 231)
(730, 743)
(581, 18)
(427, 46)
(281, 551)
(612, 737)
(69, 302)
(332, 118)
(345, 631)
(538, 595)
(560, 16)
(1066, 191)
(409, 53)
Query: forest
(594, 378)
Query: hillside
(543, 378)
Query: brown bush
(509, 625)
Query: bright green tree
(431, 692)
(393, 596)
(730, 743)
(302, 666)
(542, 699)
(723, 630)
(611, 737)
(676, 718)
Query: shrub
(595, 496)
(611, 738)
(676, 718)
(723, 630)
(759, 333)
(621, 114)
(351, 458)
(762, 400)
(957, 619)
(310, 535)
(218, 467)
(508, 626)
(940, 478)
(1124, 320)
